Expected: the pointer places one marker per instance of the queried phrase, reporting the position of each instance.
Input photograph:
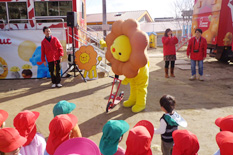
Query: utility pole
(104, 18)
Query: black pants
(167, 64)
(55, 76)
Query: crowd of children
(65, 137)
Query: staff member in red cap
(225, 142)
(185, 143)
(60, 130)
(25, 123)
(3, 117)
(11, 141)
(139, 139)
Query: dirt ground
(200, 103)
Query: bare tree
(183, 10)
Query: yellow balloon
(26, 50)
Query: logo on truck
(203, 23)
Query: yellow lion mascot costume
(127, 52)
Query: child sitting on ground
(169, 122)
(60, 130)
(25, 123)
(113, 132)
(224, 140)
(225, 124)
(139, 139)
(10, 141)
(65, 107)
(3, 117)
(185, 143)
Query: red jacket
(52, 50)
(201, 54)
(169, 47)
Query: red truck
(215, 18)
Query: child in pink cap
(25, 123)
(11, 141)
(3, 117)
(139, 139)
(78, 146)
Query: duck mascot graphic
(127, 52)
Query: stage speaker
(72, 19)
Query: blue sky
(156, 8)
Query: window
(18, 10)
(41, 9)
(65, 7)
(142, 20)
(53, 8)
(2, 11)
(199, 4)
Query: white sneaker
(201, 78)
(59, 85)
(192, 78)
(53, 85)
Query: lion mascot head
(126, 48)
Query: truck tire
(224, 57)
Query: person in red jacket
(196, 50)
(52, 49)
(169, 51)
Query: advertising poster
(20, 50)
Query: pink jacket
(36, 147)
(52, 50)
(169, 47)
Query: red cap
(25, 123)
(139, 139)
(60, 128)
(10, 140)
(225, 123)
(3, 116)
(185, 143)
(225, 142)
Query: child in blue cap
(113, 132)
